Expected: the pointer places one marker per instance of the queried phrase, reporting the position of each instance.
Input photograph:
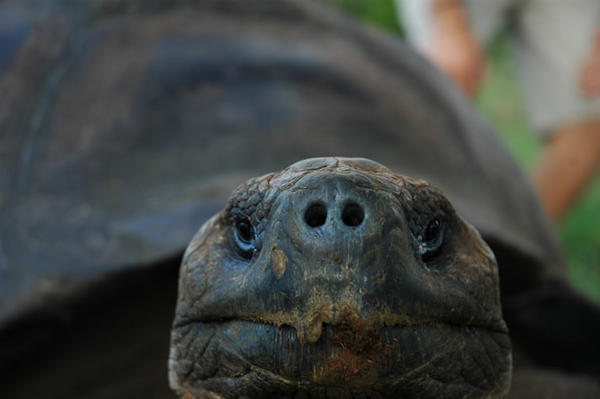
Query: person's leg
(569, 160)
(554, 42)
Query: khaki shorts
(551, 40)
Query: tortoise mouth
(434, 359)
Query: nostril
(353, 214)
(315, 215)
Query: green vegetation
(500, 102)
(381, 13)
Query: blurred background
(500, 101)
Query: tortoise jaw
(309, 324)
(243, 356)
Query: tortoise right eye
(244, 237)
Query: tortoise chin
(435, 360)
(338, 278)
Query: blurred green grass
(500, 102)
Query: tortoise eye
(432, 231)
(431, 240)
(244, 237)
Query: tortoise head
(338, 278)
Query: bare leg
(569, 161)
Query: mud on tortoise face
(338, 278)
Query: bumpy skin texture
(382, 305)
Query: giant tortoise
(127, 124)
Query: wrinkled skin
(339, 278)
